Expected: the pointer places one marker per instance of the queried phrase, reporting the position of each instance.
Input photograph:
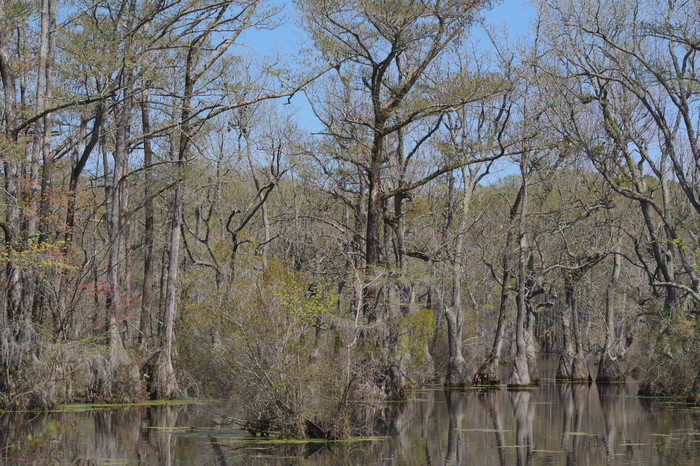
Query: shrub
(270, 347)
(670, 358)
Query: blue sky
(513, 16)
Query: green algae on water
(85, 407)
(486, 430)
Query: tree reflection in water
(552, 424)
(455, 408)
(491, 400)
(524, 415)
(609, 396)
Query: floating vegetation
(489, 386)
(239, 436)
(658, 398)
(486, 430)
(276, 457)
(169, 429)
(430, 388)
(77, 408)
(83, 407)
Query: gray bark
(118, 199)
(11, 166)
(145, 325)
(490, 371)
(610, 366)
(572, 363)
(458, 373)
(164, 383)
(520, 374)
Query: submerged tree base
(458, 374)
(610, 370)
(489, 373)
(163, 385)
(573, 369)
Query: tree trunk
(532, 288)
(398, 226)
(458, 373)
(375, 214)
(490, 371)
(572, 363)
(46, 59)
(531, 342)
(663, 260)
(610, 366)
(117, 221)
(164, 383)
(145, 326)
(115, 296)
(457, 370)
(11, 166)
(566, 358)
(520, 374)
(17, 336)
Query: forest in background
(171, 228)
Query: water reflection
(553, 424)
(608, 397)
(455, 403)
(524, 416)
(573, 401)
(491, 401)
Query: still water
(558, 424)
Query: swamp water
(558, 424)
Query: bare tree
(631, 68)
(390, 52)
